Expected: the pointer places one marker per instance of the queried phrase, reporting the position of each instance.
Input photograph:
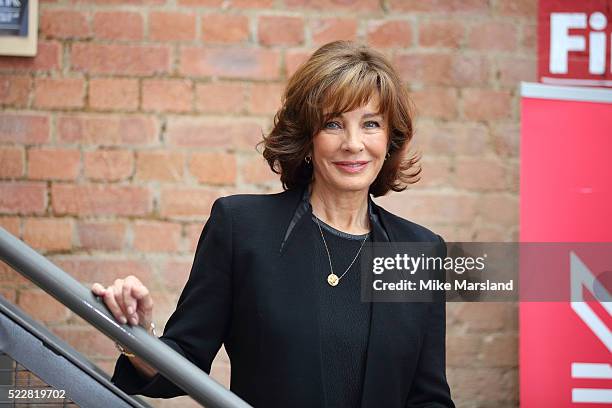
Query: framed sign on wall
(18, 27)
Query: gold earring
(388, 155)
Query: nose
(353, 140)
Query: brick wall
(135, 115)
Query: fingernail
(123, 320)
(130, 310)
(134, 320)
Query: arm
(201, 320)
(429, 387)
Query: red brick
(280, 30)
(105, 271)
(176, 273)
(122, 2)
(108, 130)
(12, 225)
(42, 306)
(109, 165)
(192, 234)
(441, 6)
(59, 93)
(500, 350)
(186, 202)
(86, 340)
(385, 33)
(9, 294)
(15, 90)
(247, 63)
(11, 278)
(256, 170)
(251, 3)
(113, 94)
(493, 35)
(432, 207)
(486, 104)
(293, 59)
(499, 209)
(121, 59)
(11, 162)
(201, 3)
(100, 200)
(324, 5)
(325, 30)
(265, 98)
(172, 26)
(118, 25)
(213, 167)
(22, 197)
(519, 8)
(436, 172)
(441, 33)
(48, 234)
(48, 58)
(63, 24)
(51, 163)
(103, 235)
(170, 95)
(512, 70)
(219, 97)
(506, 139)
(159, 165)
(155, 236)
(462, 349)
(529, 36)
(478, 173)
(437, 103)
(207, 132)
(225, 28)
(442, 69)
(452, 138)
(24, 128)
(495, 316)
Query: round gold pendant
(332, 279)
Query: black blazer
(251, 287)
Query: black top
(344, 318)
(252, 287)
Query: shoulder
(406, 230)
(255, 205)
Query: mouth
(352, 166)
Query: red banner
(566, 196)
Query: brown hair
(339, 77)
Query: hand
(128, 300)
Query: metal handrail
(81, 301)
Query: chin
(353, 185)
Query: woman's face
(350, 149)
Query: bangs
(353, 88)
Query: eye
(331, 123)
(374, 122)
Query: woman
(276, 276)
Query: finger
(145, 304)
(118, 293)
(111, 303)
(98, 289)
(129, 301)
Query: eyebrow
(365, 115)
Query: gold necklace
(332, 278)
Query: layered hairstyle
(339, 77)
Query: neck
(346, 211)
